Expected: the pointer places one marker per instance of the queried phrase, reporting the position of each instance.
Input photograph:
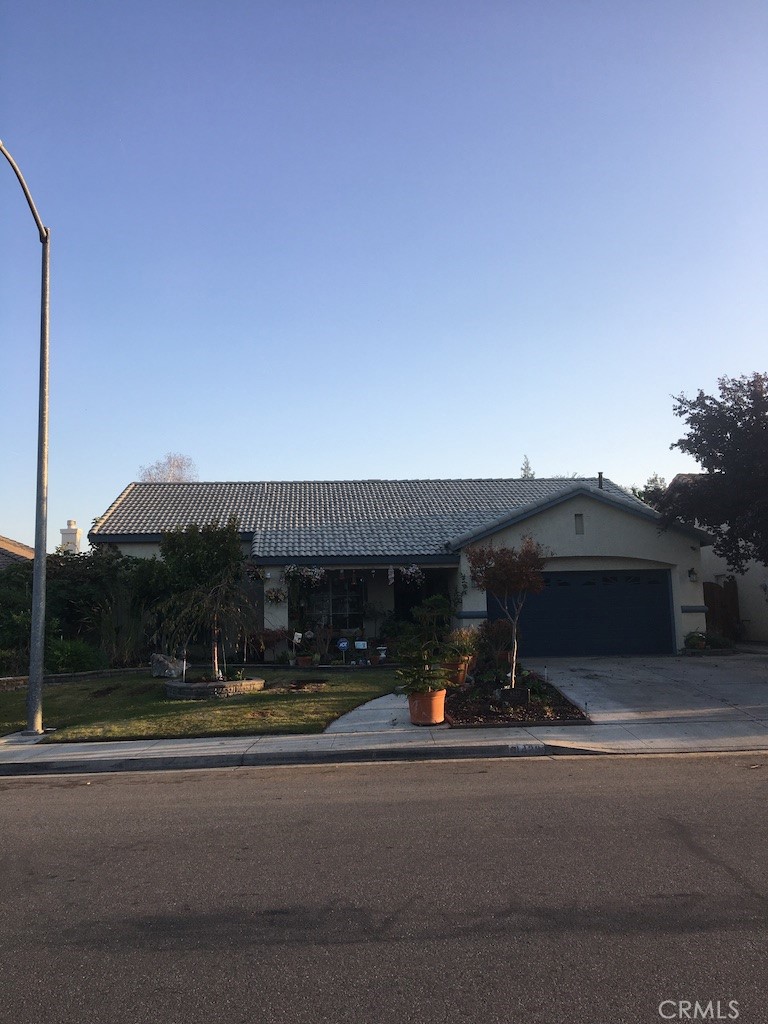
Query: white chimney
(71, 537)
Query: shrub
(496, 639)
(73, 656)
(717, 641)
(695, 641)
(13, 663)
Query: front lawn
(135, 707)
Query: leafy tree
(728, 437)
(172, 469)
(509, 575)
(101, 599)
(652, 491)
(206, 566)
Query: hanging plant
(311, 574)
(412, 575)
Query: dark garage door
(597, 613)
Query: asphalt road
(534, 890)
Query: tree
(728, 437)
(172, 469)
(652, 491)
(100, 599)
(526, 471)
(206, 565)
(509, 575)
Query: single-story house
(615, 581)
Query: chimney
(71, 537)
(600, 481)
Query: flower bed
(478, 708)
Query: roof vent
(600, 481)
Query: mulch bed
(476, 709)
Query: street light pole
(37, 638)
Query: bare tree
(526, 470)
(172, 469)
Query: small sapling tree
(509, 575)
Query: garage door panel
(597, 613)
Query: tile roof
(392, 519)
(12, 551)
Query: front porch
(355, 602)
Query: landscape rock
(164, 667)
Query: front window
(338, 601)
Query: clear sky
(322, 239)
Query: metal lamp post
(37, 639)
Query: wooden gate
(723, 608)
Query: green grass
(135, 707)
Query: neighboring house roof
(329, 519)
(12, 551)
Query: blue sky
(318, 239)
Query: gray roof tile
(12, 551)
(396, 519)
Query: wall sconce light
(693, 576)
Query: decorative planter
(460, 668)
(304, 661)
(427, 708)
(179, 690)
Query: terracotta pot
(459, 668)
(427, 708)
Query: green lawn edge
(135, 707)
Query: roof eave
(449, 560)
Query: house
(12, 551)
(615, 581)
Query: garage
(614, 612)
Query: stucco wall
(612, 539)
(140, 550)
(753, 600)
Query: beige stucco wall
(612, 539)
(153, 550)
(139, 550)
(753, 600)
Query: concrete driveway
(709, 701)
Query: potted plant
(462, 655)
(424, 680)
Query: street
(573, 889)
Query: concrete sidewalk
(637, 706)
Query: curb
(188, 762)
